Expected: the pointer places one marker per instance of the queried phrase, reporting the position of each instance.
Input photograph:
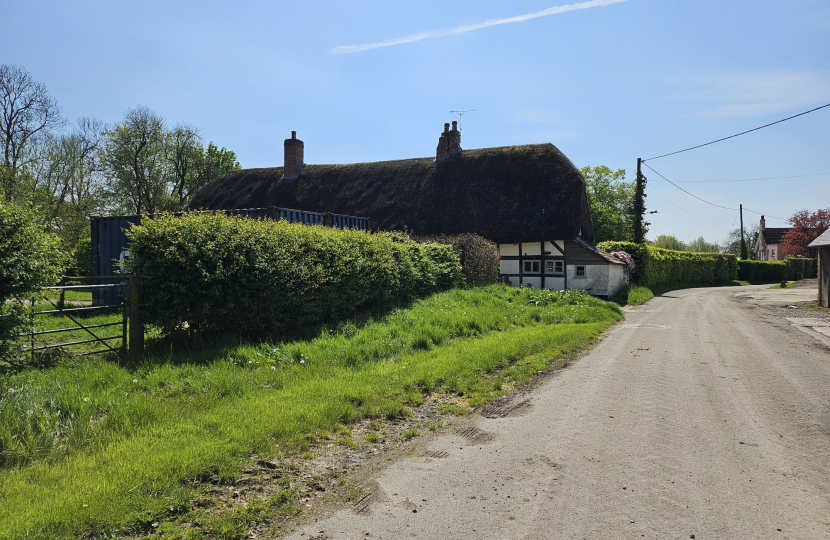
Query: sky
(606, 81)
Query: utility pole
(744, 253)
(639, 204)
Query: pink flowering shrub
(628, 260)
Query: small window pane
(559, 266)
(548, 266)
(535, 266)
(527, 266)
(580, 270)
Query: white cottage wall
(595, 280)
(616, 278)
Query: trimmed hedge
(478, 256)
(762, 271)
(801, 268)
(657, 267)
(235, 275)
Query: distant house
(528, 199)
(822, 244)
(769, 246)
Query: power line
(766, 215)
(680, 207)
(741, 133)
(752, 179)
(704, 200)
(687, 192)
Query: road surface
(699, 416)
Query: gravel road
(699, 416)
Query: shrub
(657, 267)
(762, 271)
(30, 257)
(478, 256)
(628, 260)
(800, 268)
(230, 274)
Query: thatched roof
(507, 194)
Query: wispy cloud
(752, 93)
(345, 49)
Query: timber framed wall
(516, 264)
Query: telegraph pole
(744, 254)
(639, 204)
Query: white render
(599, 280)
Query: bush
(800, 268)
(30, 257)
(762, 271)
(230, 274)
(478, 256)
(657, 267)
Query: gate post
(136, 320)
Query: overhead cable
(680, 207)
(752, 179)
(741, 133)
(683, 190)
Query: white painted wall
(532, 248)
(509, 267)
(616, 278)
(599, 280)
(509, 250)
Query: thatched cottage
(529, 199)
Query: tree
(667, 241)
(806, 227)
(611, 201)
(27, 111)
(185, 156)
(640, 227)
(702, 246)
(136, 165)
(732, 243)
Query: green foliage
(657, 267)
(667, 241)
(800, 268)
(30, 257)
(632, 295)
(226, 274)
(478, 256)
(762, 271)
(700, 245)
(640, 226)
(611, 201)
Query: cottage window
(580, 271)
(553, 267)
(773, 253)
(532, 267)
(527, 266)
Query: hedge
(801, 268)
(235, 275)
(657, 267)
(30, 257)
(478, 256)
(762, 271)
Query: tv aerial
(460, 114)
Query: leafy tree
(27, 111)
(611, 200)
(667, 241)
(702, 246)
(806, 227)
(186, 159)
(136, 165)
(732, 244)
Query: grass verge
(95, 449)
(634, 295)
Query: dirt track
(700, 416)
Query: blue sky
(606, 81)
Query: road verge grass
(112, 450)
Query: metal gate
(115, 314)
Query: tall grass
(92, 447)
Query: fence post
(136, 319)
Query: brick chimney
(293, 165)
(449, 142)
(763, 223)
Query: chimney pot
(446, 127)
(455, 125)
(293, 134)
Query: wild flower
(86, 400)
(11, 390)
(135, 380)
